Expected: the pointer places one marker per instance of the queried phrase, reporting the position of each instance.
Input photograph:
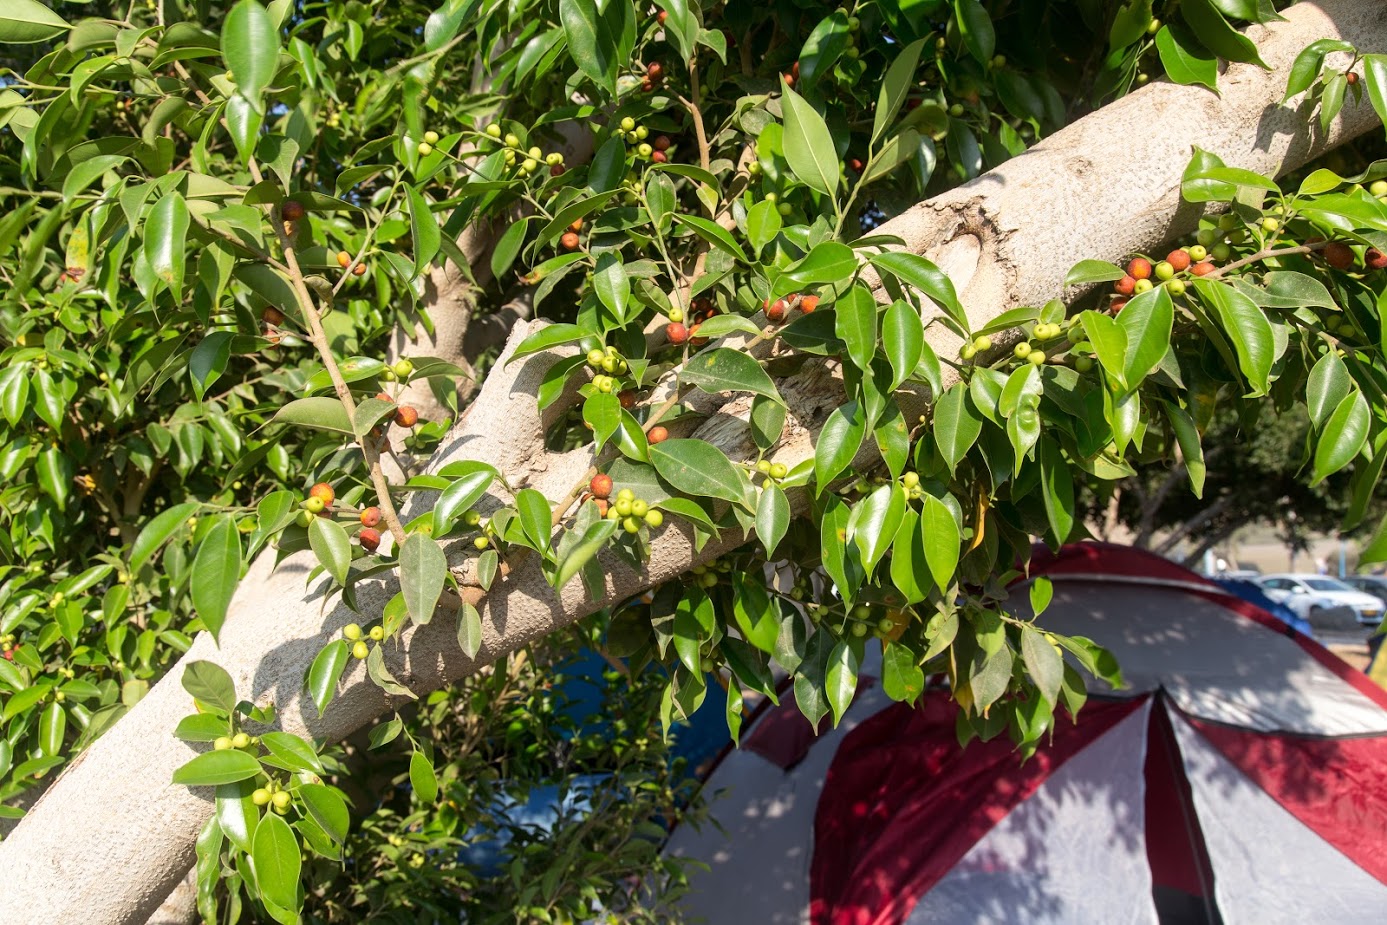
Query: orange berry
(658, 434)
(569, 241)
(369, 538)
(1203, 268)
(808, 304)
(601, 486)
(370, 517)
(359, 270)
(1179, 260)
(344, 259)
(406, 416)
(676, 332)
(324, 491)
(1139, 268)
(1125, 286)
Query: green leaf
(320, 413)
(582, 552)
(772, 517)
(332, 546)
(165, 238)
(212, 768)
(762, 225)
(829, 263)
(957, 424)
(610, 281)
(328, 809)
(901, 676)
(1192, 451)
(55, 473)
(976, 28)
(1109, 341)
(593, 37)
(422, 777)
(275, 854)
(1041, 594)
(1375, 72)
(1093, 271)
(14, 393)
(326, 671)
(1342, 437)
(423, 571)
(292, 751)
(52, 728)
(917, 272)
(602, 412)
(1375, 549)
(469, 630)
(1308, 64)
(1194, 189)
(808, 145)
(826, 42)
(250, 46)
(874, 522)
(1236, 176)
(855, 323)
(895, 87)
(201, 727)
(1328, 385)
(23, 22)
(508, 247)
(159, 531)
(757, 614)
(908, 559)
(711, 232)
(1217, 35)
(208, 361)
(1147, 321)
(216, 572)
(237, 815)
(940, 534)
(840, 681)
(1057, 490)
(457, 498)
(377, 672)
(1043, 662)
(838, 443)
(1247, 327)
(725, 370)
(423, 229)
(903, 336)
(699, 469)
(1185, 60)
(767, 422)
(535, 516)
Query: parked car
(1254, 593)
(1375, 585)
(1308, 594)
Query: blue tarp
(1253, 594)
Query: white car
(1308, 594)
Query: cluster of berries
(352, 632)
(631, 512)
(525, 162)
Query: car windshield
(1326, 584)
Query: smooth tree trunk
(113, 837)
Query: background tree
(285, 181)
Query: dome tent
(1239, 777)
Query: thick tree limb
(1105, 186)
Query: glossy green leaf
(328, 809)
(1185, 60)
(902, 679)
(957, 424)
(23, 22)
(158, 531)
(277, 861)
(594, 538)
(1147, 321)
(874, 522)
(975, 25)
(725, 370)
(903, 337)
(423, 229)
(840, 680)
(236, 813)
(611, 283)
(423, 571)
(326, 671)
(940, 534)
(808, 145)
(855, 323)
(772, 518)
(895, 87)
(1215, 33)
(217, 767)
(1247, 328)
(250, 46)
(1342, 436)
(699, 469)
(320, 413)
(919, 273)
(455, 500)
(332, 546)
(838, 443)
(165, 239)
(1043, 663)
(1093, 271)
(216, 572)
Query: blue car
(1253, 594)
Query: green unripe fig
(494, 130)
(351, 632)
(260, 796)
(240, 740)
(654, 518)
(639, 508)
(1197, 253)
(628, 124)
(360, 650)
(222, 743)
(1143, 285)
(403, 369)
(1021, 350)
(779, 470)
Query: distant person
(1321, 566)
